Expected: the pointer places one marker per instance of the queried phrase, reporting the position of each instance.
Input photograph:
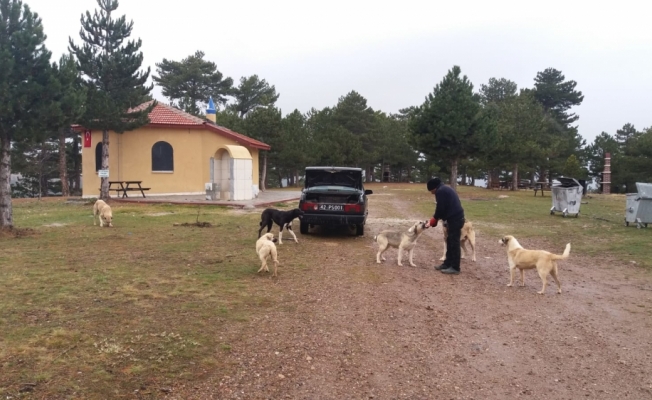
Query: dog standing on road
(543, 261)
(401, 240)
(282, 218)
(468, 235)
(265, 248)
(103, 210)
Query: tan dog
(401, 240)
(543, 261)
(265, 248)
(467, 236)
(103, 211)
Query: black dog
(282, 218)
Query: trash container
(638, 208)
(566, 197)
(212, 191)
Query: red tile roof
(168, 116)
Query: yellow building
(176, 154)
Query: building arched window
(98, 157)
(162, 157)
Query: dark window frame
(162, 157)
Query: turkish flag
(87, 138)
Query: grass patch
(103, 311)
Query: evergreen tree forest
(462, 131)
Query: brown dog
(467, 236)
(265, 248)
(103, 212)
(543, 261)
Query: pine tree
(447, 124)
(25, 83)
(353, 114)
(36, 161)
(68, 109)
(265, 124)
(192, 81)
(557, 95)
(625, 134)
(497, 90)
(112, 76)
(253, 93)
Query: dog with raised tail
(266, 248)
(545, 262)
(467, 236)
(404, 241)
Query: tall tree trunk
(6, 215)
(40, 165)
(104, 193)
(542, 175)
(489, 179)
(63, 164)
(453, 180)
(296, 175)
(515, 177)
(464, 175)
(263, 177)
(40, 181)
(76, 163)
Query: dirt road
(347, 328)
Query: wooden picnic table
(127, 186)
(541, 186)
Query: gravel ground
(347, 328)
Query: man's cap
(433, 183)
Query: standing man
(449, 209)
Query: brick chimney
(606, 174)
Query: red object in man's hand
(433, 222)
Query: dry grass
(104, 312)
(87, 312)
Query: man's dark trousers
(453, 252)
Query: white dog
(103, 211)
(401, 240)
(265, 248)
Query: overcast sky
(394, 53)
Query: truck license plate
(331, 207)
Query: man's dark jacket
(448, 207)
